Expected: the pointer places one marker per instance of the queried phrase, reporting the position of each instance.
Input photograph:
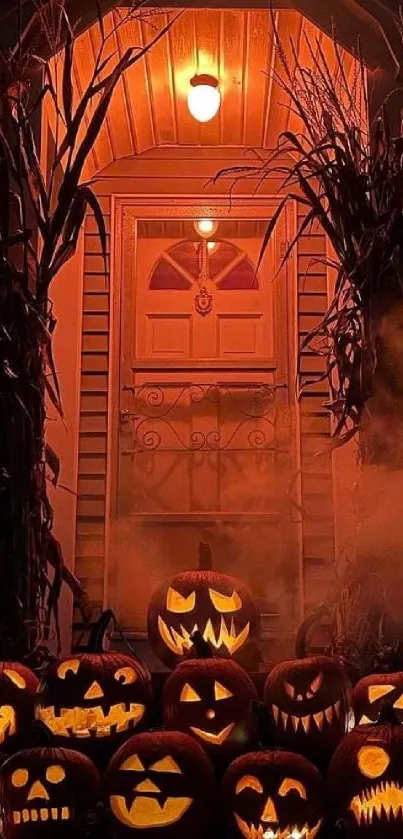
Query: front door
(205, 443)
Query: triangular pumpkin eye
(176, 602)
(223, 603)
(399, 703)
(378, 691)
(133, 764)
(166, 764)
(220, 692)
(188, 694)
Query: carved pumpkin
(47, 793)
(274, 795)
(211, 699)
(371, 692)
(94, 701)
(18, 686)
(159, 783)
(309, 702)
(217, 605)
(366, 781)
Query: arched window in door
(187, 264)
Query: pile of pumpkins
(290, 765)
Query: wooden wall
(185, 173)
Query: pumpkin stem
(310, 622)
(205, 557)
(202, 648)
(98, 640)
(387, 715)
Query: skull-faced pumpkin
(366, 781)
(94, 701)
(373, 691)
(159, 784)
(47, 793)
(18, 687)
(211, 699)
(217, 605)
(310, 704)
(274, 795)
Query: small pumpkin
(94, 701)
(274, 795)
(310, 705)
(372, 691)
(18, 686)
(159, 784)
(212, 699)
(47, 792)
(217, 605)
(366, 780)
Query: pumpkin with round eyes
(217, 605)
(160, 783)
(18, 686)
(47, 793)
(310, 705)
(366, 780)
(274, 795)
(212, 699)
(371, 692)
(94, 701)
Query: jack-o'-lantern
(159, 784)
(18, 686)
(274, 795)
(366, 781)
(373, 691)
(47, 793)
(217, 605)
(212, 699)
(94, 701)
(310, 704)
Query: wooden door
(204, 438)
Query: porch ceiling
(149, 108)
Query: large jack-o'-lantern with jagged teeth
(220, 607)
(18, 686)
(93, 701)
(47, 793)
(366, 780)
(212, 699)
(310, 703)
(274, 795)
(371, 692)
(160, 784)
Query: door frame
(125, 211)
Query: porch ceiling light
(204, 97)
(206, 227)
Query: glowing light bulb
(206, 227)
(204, 98)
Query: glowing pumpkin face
(219, 606)
(18, 687)
(373, 691)
(46, 793)
(366, 782)
(274, 795)
(159, 783)
(94, 700)
(309, 701)
(211, 699)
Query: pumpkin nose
(269, 813)
(94, 692)
(146, 786)
(38, 791)
(210, 714)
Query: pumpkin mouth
(148, 812)
(385, 799)
(226, 636)
(308, 722)
(8, 724)
(91, 722)
(210, 737)
(274, 831)
(43, 814)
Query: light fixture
(205, 227)
(204, 97)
